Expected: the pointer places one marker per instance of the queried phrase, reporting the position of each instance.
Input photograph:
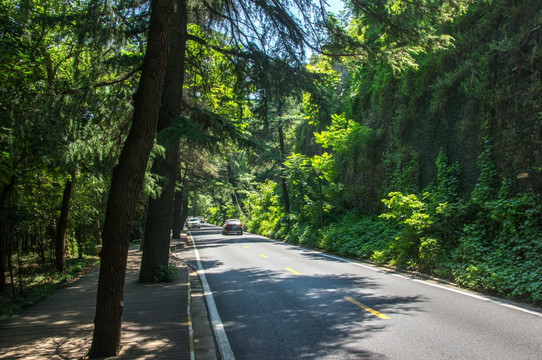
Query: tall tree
(159, 212)
(55, 95)
(127, 182)
(62, 226)
(284, 38)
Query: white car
(193, 222)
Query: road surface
(278, 301)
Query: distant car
(202, 219)
(232, 226)
(193, 222)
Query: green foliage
(487, 183)
(167, 273)
(343, 136)
(265, 209)
(500, 251)
(424, 227)
(409, 121)
(412, 248)
(322, 101)
(447, 185)
(306, 234)
(403, 170)
(363, 238)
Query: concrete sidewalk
(157, 319)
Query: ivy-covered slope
(487, 86)
(450, 177)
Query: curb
(202, 339)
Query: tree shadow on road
(296, 317)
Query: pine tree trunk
(177, 215)
(159, 220)
(62, 226)
(184, 211)
(3, 286)
(285, 193)
(160, 210)
(4, 233)
(126, 185)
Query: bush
(412, 247)
(165, 273)
(501, 250)
(358, 237)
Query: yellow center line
(262, 255)
(246, 247)
(366, 308)
(292, 270)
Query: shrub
(166, 273)
(501, 250)
(357, 237)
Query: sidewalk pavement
(160, 321)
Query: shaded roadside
(155, 320)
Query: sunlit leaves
(212, 80)
(396, 31)
(341, 134)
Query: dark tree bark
(62, 226)
(177, 215)
(159, 221)
(126, 185)
(6, 189)
(3, 286)
(283, 180)
(96, 231)
(184, 211)
(160, 210)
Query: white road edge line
(479, 297)
(224, 347)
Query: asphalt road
(277, 301)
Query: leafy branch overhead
(204, 129)
(393, 31)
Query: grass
(39, 282)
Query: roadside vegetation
(415, 168)
(490, 242)
(406, 133)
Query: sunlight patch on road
(366, 308)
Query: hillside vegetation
(434, 168)
(407, 133)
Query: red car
(232, 226)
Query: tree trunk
(160, 210)
(283, 180)
(96, 231)
(62, 226)
(159, 221)
(177, 215)
(81, 235)
(3, 253)
(184, 211)
(126, 185)
(3, 232)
